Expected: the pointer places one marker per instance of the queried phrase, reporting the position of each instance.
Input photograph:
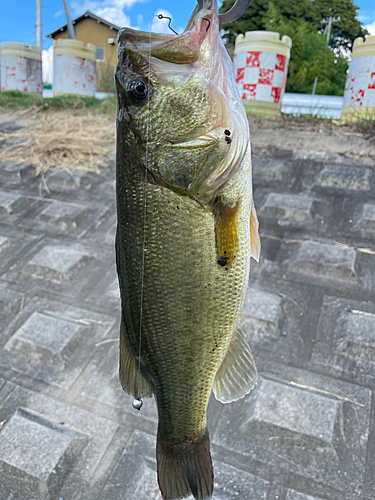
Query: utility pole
(69, 23)
(38, 23)
(329, 22)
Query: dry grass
(62, 140)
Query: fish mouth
(177, 49)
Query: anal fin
(238, 374)
(132, 381)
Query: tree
(310, 56)
(347, 29)
(311, 11)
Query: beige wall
(90, 31)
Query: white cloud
(47, 65)
(114, 15)
(371, 28)
(58, 13)
(363, 18)
(111, 10)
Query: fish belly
(168, 267)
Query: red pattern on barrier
(240, 74)
(276, 94)
(252, 60)
(261, 75)
(280, 62)
(265, 76)
(249, 90)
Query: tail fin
(185, 468)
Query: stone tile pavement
(307, 432)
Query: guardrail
(320, 106)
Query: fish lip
(141, 41)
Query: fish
(186, 231)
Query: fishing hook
(209, 22)
(160, 16)
(238, 10)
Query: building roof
(81, 18)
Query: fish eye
(139, 88)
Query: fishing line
(138, 403)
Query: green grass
(14, 99)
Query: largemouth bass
(186, 231)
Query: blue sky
(17, 18)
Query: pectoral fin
(226, 232)
(254, 234)
(237, 374)
(132, 381)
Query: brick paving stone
(37, 453)
(366, 219)
(16, 171)
(10, 126)
(12, 244)
(65, 218)
(261, 313)
(135, 476)
(104, 230)
(106, 189)
(345, 342)
(98, 430)
(323, 261)
(104, 386)
(8, 143)
(62, 181)
(318, 156)
(286, 206)
(63, 214)
(52, 341)
(9, 203)
(294, 495)
(345, 177)
(61, 266)
(106, 295)
(276, 321)
(268, 169)
(307, 430)
(297, 432)
(10, 304)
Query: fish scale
(185, 293)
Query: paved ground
(307, 432)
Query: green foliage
(311, 11)
(309, 57)
(14, 99)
